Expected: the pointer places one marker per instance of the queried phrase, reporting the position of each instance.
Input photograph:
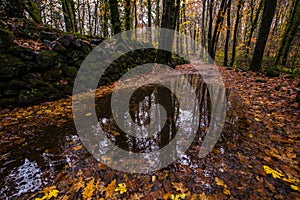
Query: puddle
(55, 150)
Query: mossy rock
(22, 52)
(47, 58)
(52, 75)
(8, 102)
(37, 95)
(6, 39)
(10, 66)
(16, 84)
(70, 71)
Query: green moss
(6, 39)
(70, 71)
(47, 58)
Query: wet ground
(55, 156)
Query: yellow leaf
(257, 119)
(274, 173)
(88, 190)
(180, 196)
(221, 183)
(49, 192)
(121, 187)
(294, 187)
(110, 189)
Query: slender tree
(268, 14)
(114, 16)
(225, 63)
(235, 32)
(68, 7)
(291, 30)
(166, 39)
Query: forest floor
(256, 159)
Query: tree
(114, 16)
(268, 14)
(68, 7)
(166, 38)
(217, 29)
(225, 63)
(235, 32)
(291, 30)
(127, 15)
(253, 24)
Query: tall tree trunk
(209, 34)
(165, 39)
(225, 63)
(292, 27)
(236, 27)
(217, 29)
(68, 7)
(203, 32)
(105, 19)
(149, 12)
(127, 15)
(253, 26)
(114, 16)
(157, 13)
(268, 14)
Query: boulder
(47, 58)
(70, 71)
(47, 36)
(10, 66)
(65, 40)
(6, 40)
(22, 52)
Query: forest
(154, 99)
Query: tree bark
(291, 30)
(68, 7)
(268, 14)
(165, 39)
(236, 27)
(114, 16)
(225, 63)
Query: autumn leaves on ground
(257, 158)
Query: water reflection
(145, 103)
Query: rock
(47, 58)
(31, 77)
(70, 71)
(52, 75)
(22, 52)
(96, 41)
(8, 102)
(58, 47)
(49, 44)
(6, 40)
(3, 86)
(10, 66)
(68, 89)
(47, 36)
(16, 84)
(65, 40)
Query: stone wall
(30, 75)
